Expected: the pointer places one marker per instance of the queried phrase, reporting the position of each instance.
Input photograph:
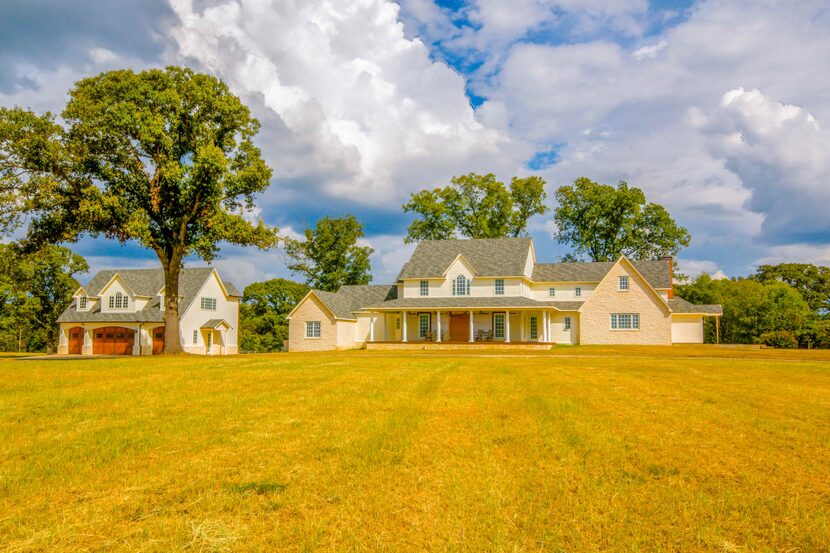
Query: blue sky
(717, 109)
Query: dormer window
(499, 286)
(82, 303)
(119, 301)
(424, 287)
(461, 286)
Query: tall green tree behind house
(164, 157)
(36, 289)
(475, 206)
(604, 222)
(330, 255)
(262, 313)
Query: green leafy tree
(162, 157)
(812, 281)
(263, 310)
(39, 287)
(750, 308)
(604, 222)
(476, 206)
(330, 256)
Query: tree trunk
(172, 337)
(50, 341)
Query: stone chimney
(668, 259)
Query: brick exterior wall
(594, 319)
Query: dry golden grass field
(580, 449)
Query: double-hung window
(461, 286)
(423, 325)
(312, 329)
(499, 286)
(498, 325)
(209, 304)
(552, 292)
(82, 300)
(623, 284)
(567, 324)
(424, 288)
(534, 328)
(625, 321)
(578, 292)
(195, 337)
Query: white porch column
(137, 342)
(438, 313)
(544, 326)
(371, 327)
(87, 347)
(522, 327)
(472, 338)
(507, 326)
(403, 326)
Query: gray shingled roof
(681, 306)
(656, 272)
(468, 302)
(488, 256)
(351, 298)
(215, 323)
(143, 282)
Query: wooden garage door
(113, 340)
(76, 340)
(158, 340)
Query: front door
(459, 328)
(76, 340)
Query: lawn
(581, 449)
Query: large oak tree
(606, 222)
(476, 206)
(164, 157)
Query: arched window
(460, 286)
(119, 301)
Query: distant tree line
(785, 306)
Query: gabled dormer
(117, 297)
(83, 302)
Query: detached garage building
(121, 312)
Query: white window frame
(496, 318)
(424, 328)
(424, 288)
(624, 321)
(207, 302)
(578, 292)
(119, 301)
(83, 301)
(623, 283)
(551, 292)
(313, 330)
(195, 337)
(566, 323)
(461, 286)
(534, 328)
(499, 287)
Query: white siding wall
(565, 291)
(558, 334)
(195, 317)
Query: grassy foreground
(580, 450)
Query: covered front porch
(476, 327)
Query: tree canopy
(330, 255)
(812, 281)
(34, 290)
(164, 157)
(476, 206)
(604, 222)
(263, 310)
